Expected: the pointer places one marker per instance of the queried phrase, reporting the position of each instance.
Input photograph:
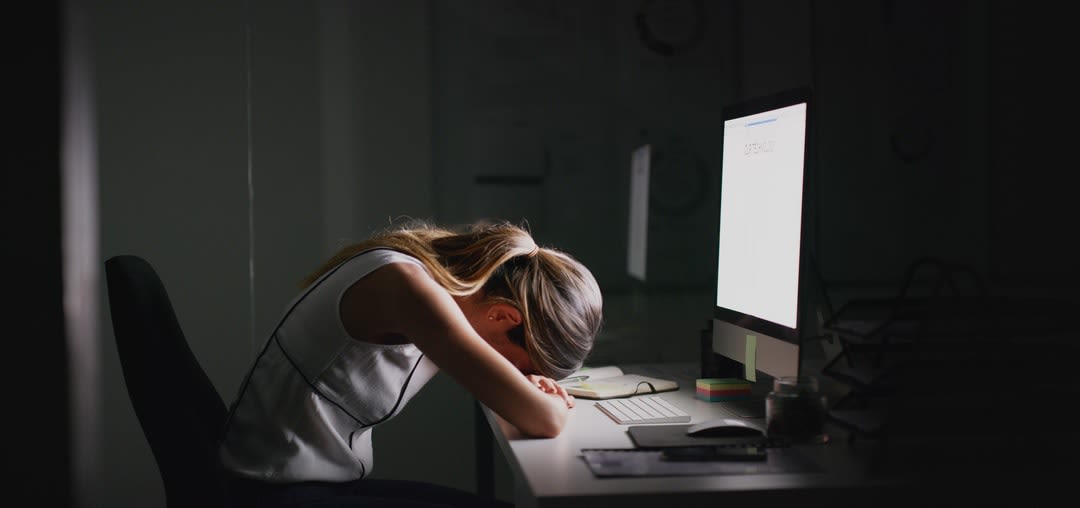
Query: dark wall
(939, 136)
(932, 134)
(1033, 178)
(40, 450)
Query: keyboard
(642, 409)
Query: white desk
(551, 472)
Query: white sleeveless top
(310, 402)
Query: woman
(502, 316)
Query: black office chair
(181, 413)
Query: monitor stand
(717, 365)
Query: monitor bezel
(761, 104)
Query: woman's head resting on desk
(538, 306)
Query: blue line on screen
(759, 122)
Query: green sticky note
(750, 365)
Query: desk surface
(552, 472)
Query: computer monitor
(638, 223)
(761, 237)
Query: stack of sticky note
(716, 389)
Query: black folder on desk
(652, 440)
(607, 463)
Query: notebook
(610, 381)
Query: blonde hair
(559, 300)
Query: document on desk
(610, 382)
(606, 463)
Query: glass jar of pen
(795, 411)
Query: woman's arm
(401, 299)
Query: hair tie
(533, 252)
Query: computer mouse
(724, 427)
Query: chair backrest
(181, 413)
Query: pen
(574, 379)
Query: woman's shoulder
(370, 260)
(384, 255)
(392, 283)
(362, 265)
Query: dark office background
(235, 144)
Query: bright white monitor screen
(761, 214)
(638, 235)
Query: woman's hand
(548, 385)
